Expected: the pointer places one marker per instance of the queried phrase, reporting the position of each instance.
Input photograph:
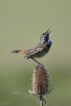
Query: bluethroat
(39, 50)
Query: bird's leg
(35, 61)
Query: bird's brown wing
(36, 49)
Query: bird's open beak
(47, 32)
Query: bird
(39, 50)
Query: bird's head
(44, 36)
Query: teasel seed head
(41, 81)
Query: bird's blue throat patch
(46, 37)
(48, 43)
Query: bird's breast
(42, 53)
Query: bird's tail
(20, 51)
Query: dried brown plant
(41, 83)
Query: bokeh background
(21, 23)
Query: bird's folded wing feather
(36, 49)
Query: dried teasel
(41, 83)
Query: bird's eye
(43, 33)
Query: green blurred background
(21, 23)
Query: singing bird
(39, 50)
